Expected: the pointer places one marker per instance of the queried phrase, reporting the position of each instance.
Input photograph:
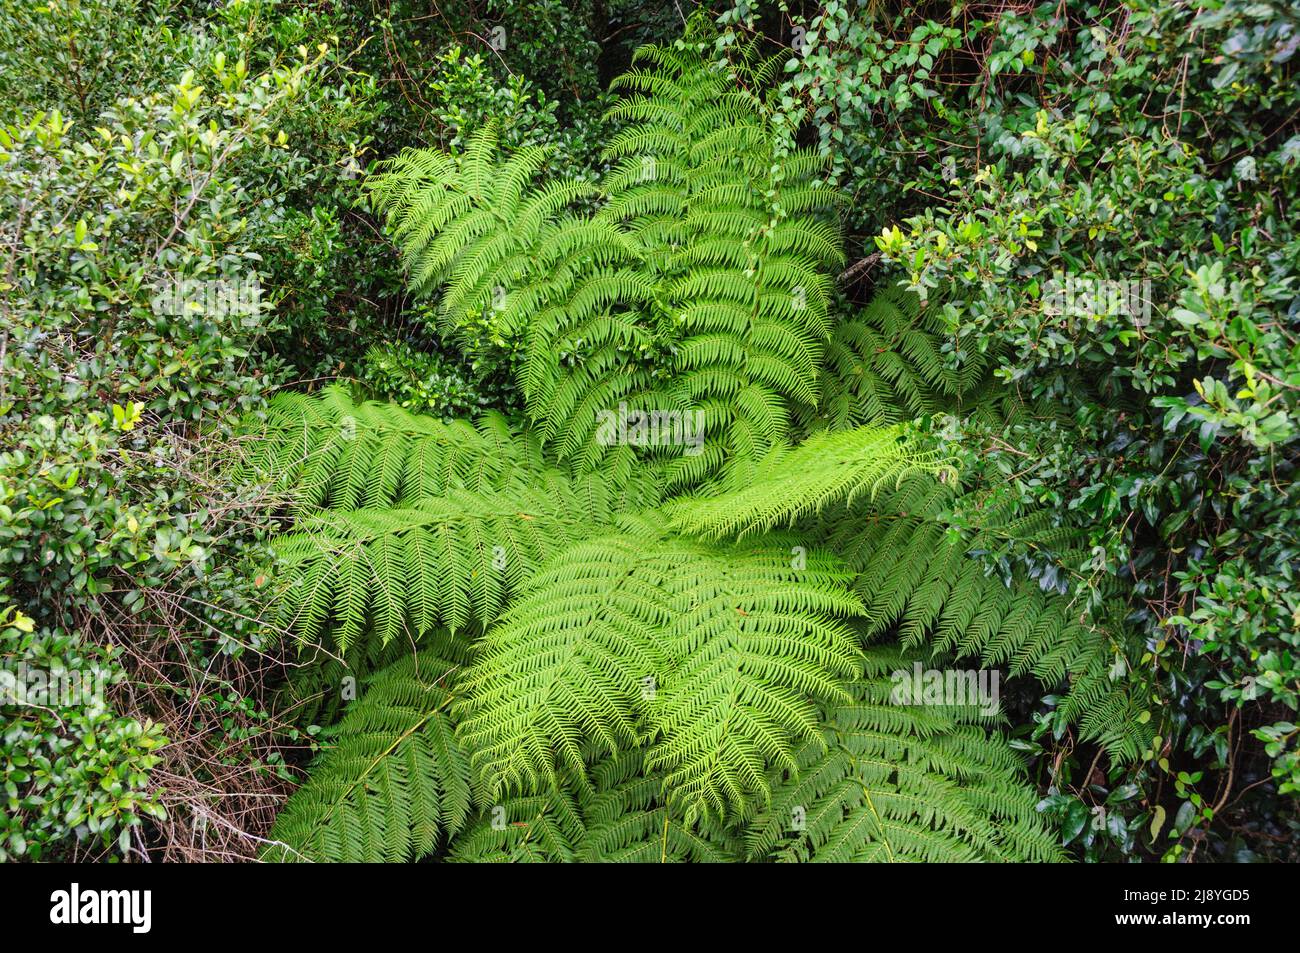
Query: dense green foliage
(135, 289)
(538, 431)
(1099, 200)
(636, 604)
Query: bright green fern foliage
(789, 483)
(708, 657)
(626, 693)
(406, 523)
(394, 782)
(739, 240)
(897, 783)
(701, 286)
(577, 649)
(446, 561)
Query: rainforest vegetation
(524, 430)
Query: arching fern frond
(896, 361)
(473, 225)
(447, 561)
(926, 583)
(328, 450)
(478, 228)
(790, 483)
(893, 782)
(741, 242)
(753, 641)
(712, 654)
(565, 667)
(394, 782)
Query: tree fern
(656, 650)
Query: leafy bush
(429, 383)
(70, 763)
(135, 302)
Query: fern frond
(892, 782)
(478, 228)
(918, 579)
(615, 814)
(329, 451)
(394, 782)
(896, 361)
(542, 828)
(753, 639)
(448, 561)
(565, 667)
(627, 820)
(711, 653)
(790, 483)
